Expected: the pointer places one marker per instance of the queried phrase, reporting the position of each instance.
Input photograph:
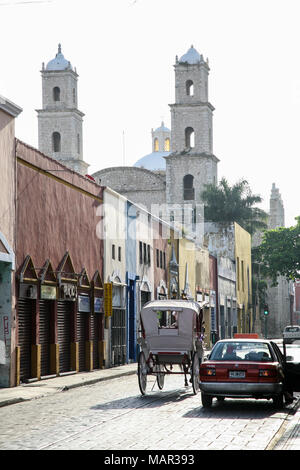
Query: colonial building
(59, 269)
(232, 247)
(8, 112)
(59, 120)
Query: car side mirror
(289, 358)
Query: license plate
(237, 374)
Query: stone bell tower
(191, 163)
(59, 120)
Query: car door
(291, 370)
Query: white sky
(124, 52)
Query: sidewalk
(287, 438)
(44, 387)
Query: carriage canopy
(171, 324)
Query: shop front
(7, 266)
(97, 322)
(66, 316)
(118, 322)
(83, 323)
(27, 313)
(47, 306)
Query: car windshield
(241, 351)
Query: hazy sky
(124, 52)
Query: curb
(88, 381)
(274, 444)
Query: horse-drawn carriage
(170, 340)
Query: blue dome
(191, 57)
(154, 161)
(59, 62)
(162, 128)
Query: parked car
(292, 328)
(243, 368)
(291, 332)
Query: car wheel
(278, 401)
(206, 400)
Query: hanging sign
(68, 292)
(48, 292)
(84, 304)
(98, 304)
(28, 291)
(108, 299)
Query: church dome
(191, 57)
(160, 148)
(153, 161)
(59, 62)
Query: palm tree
(226, 204)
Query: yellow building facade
(187, 267)
(243, 279)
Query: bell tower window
(167, 144)
(189, 137)
(56, 93)
(189, 88)
(188, 188)
(56, 142)
(156, 145)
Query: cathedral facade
(169, 181)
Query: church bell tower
(59, 120)
(191, 163)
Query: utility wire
(4, 4)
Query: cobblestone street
(113, 415)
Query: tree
(227, 204)
(279, 252)
(259, 279)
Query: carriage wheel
(160, 377)
(142, 373)
(195, 373)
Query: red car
(243, 368)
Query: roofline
(97, 174)
(53, 160)
(9, 107)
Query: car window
(242, 351)
(277, 352)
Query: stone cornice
(193, 104)
(60, 112)
(189, 153)
(9, 107)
